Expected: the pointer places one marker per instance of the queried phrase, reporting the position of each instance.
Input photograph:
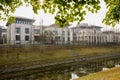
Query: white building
(86, 35)
(3, 35)
(108, 36)
(60, 35)
(22, 31)
(111, 37)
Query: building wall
(3, 35)
(79, 35)
(12, 33)
(19, 29)
(61, 35)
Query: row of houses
(22, 31)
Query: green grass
(34, 54)
(112, 74)
(96, 50)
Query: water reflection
(74, 76)
(76, 71)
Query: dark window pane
(17, 37)
(36, 38)
(17, 30)
(36, 31)
(26, 38)
(27, 30)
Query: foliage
(8, 7)
(48, 35)
(67, 11)
(70, 10)
(113, 14)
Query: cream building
(22, 31)
(3, 35)
(87, 35)
(111, 37)
(60, 35)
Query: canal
(63, 71)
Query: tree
(8, 7)
(48, 36)
(67, 11)
(113, 14)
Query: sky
(48, 19)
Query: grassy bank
(112, 74)
(97, 50)
(23, 55)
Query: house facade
(87, 35)
(60, 35)
(22, 31)
(93, 35)
(3, 35)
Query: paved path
(76, 55)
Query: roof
(55, 25)
(18, 17)
(23, 18)
(95, 26)
(86, 26)
(108, 31)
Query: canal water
(65, 73)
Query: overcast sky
(92, 19)
(48, 19)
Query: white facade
(20, 32)
(111, 37)
(92, 35)
(3, 35)
(87, 34)
(60, 35)
(23, 32)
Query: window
(63, 32)
(27, 30)
(25, 22)
(68, 33)
(28, 22)
(4, 30)
(36, 31)
(19, 22)
(26, 38)
(63, 39)
(68, 38)
(16, 21)
(17, 30)
(17, 37)
(36, 38)
(57, 38)
(55, 32)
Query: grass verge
(112, 74)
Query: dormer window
(27, 30)
(17, 30)
(19, 22)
